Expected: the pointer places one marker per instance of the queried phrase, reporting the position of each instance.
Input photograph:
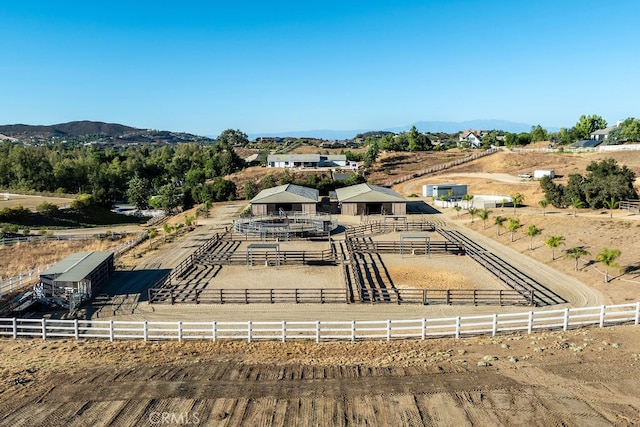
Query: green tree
(588, 124)
(472, 212)
(457, 208)
(538, 133)
(233, 137)
(83, 202)
(47, 209)
(371, 154)
(249, 189)
(517, 199)
(575, 254)
(499, 222)
(577, 204)
(553, 242)
(483, 214)
(611, 204)
(513, 225)
(167, 199)
(532, 232)
(608, 258)
(469, 199)
(630, 129)
(543, 204)
(138, 192)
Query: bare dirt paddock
(575, 378)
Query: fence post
(388, 330)
(353, 331)
(145, 331)
(637, 320)
(76, 331)
(602, 309)
(214, 331)
(44, 329)
(180, 330)
(284, 330)
(249, 331)
(565, 326)
(457, 327)
(494, 325)
(424, 328)
(530, 326)
(317, 331)
(110, 330)
(15, 328)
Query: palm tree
(553, 242)
(517, 199)
(532, 231)
(473, 212)
(499, 222)
(611, 205)
(513, 226)
(469, 199)
(483, 214)
(576, 203)
(576, 253)
(543, 204)
(608, 257)
(457, 208)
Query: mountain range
(422, 126)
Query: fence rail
(248, 296)
(318, 331)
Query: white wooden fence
(29, 277)
(351, 331)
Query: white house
(602, 134)
(473, 137)
(307, 161)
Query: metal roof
(288, 193)
(587, 143)
(76, 267)
(306, 158)
(367, 193)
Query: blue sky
(205, 66)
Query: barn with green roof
(285, 198)
(370, 199)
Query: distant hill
(422, 126)
(79, 128)
(98, 132)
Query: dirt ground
(31, 202)
(575, 378)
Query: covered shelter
(370, 199)
(285, 198)
(78, 274)
(424, 237)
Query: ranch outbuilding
(370, 199)
(285, 198)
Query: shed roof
(605, 131)
(76, 267)
(367, 193)
(306, 158)
(587, 143)
(287, 193)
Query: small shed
(285, 198)
(370, 199)
(437, 190)
(80, 273)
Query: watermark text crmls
(174, 418)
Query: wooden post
(457, 327)
(602, 311)
(424, 328)
(388, 330)
(44, 329)
(271, 296)
(214, 331)
(246, 296)
(249, 331)
(637, 319)
(179, 330)
(317, 331)
(111, 330)
(530, 325)
(145, 330)
(296, 295)
(353, 331)
(447, 297)
(76, 332)
(15, 328)
(565, 324)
